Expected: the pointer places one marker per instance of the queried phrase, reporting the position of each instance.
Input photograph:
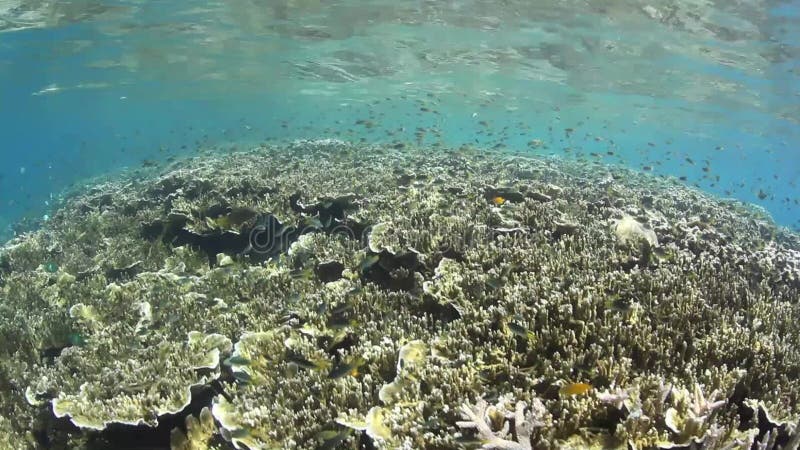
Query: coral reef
(326, 295)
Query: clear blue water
(700, 89)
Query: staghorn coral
(481, 416)
(451, 297)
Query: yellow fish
(573, 389)
(498, 200)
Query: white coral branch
(702, 406)
(525, 423)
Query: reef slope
(329, 295)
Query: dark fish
(470, 442)
(338, 322)
(349, 368)
(242, 377)
(301, 361)
(617, 304)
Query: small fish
(494, 283)
(239, 216)
(302, 274)
(617, 304)
(368, 262)
(313, 222)
(498, 200)
(468, 441)
(331, 439)
(341, 309)
(301, 361)
(519, 330)
(338, 322)
(76, 339)
(240, 433)
(51, 267)
(236, 360)
(536, 143)
(242, 377)
(573, 389)
(350, 368)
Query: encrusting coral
(326, 295)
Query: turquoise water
(704, 90)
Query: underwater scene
(429, 224)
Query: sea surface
(704, 91)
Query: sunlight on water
(702, 90)
(429, 224)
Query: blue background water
(91, 92)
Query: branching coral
(461, 295)
(482, 417)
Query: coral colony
(326, 295)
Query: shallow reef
(326, 295)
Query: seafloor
(334, 296)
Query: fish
(240, 433)
(236, 360)
(368, 262)
(349, 368)
(303, 362)
(313, 222)
(494, 283)
(470, 442)
(242, 377)
(518, 330)
(341, 309)
(330, 439)
(302, 274)
(337, 322)
(498, 200)
(615, 303)
(573, 389)
(76, 339)
(233, 220)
